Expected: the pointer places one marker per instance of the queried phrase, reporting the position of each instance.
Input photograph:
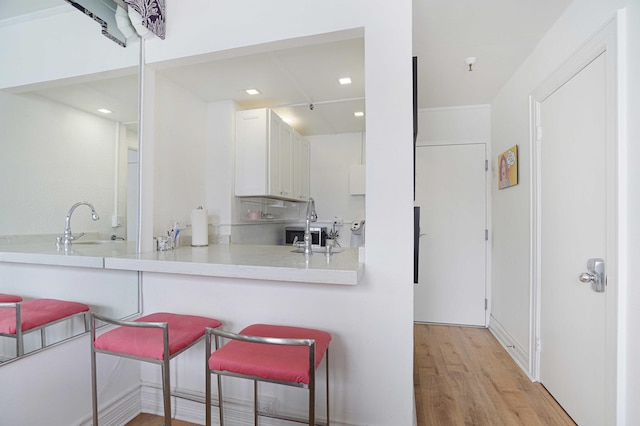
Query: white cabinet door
(268, 156)
(251, 153)
(300, 167)
(285, 170)
(280, 184)
(275, 123)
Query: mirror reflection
(110, 14)
(68, 167)
(70, 143)
(72, 168)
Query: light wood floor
(145, 419)
(463, 376)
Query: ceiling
(300, 84)
(499, 33)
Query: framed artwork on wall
(508, 168)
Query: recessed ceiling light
(104, 111)
(345, 80)
(359, 114)
(253, 91)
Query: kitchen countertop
(84, 255)
(264, 262)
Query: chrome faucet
(312, 216)
(68, 237)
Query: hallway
(462, 376)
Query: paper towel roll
(199, 227)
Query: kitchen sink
(91, 242)
(318, 250)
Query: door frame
(607, 40)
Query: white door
(575, 195)
(451, 193)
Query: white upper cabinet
(269, 157)
(301, 164)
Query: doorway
(452, 194)
(575, 210)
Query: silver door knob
(595, 275)
(586, 277)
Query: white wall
(511, 209)
(58, 45)
(371, 322)
(180, 147)
(461, 124)
(59, 377)
(221, 119)
(331, 159)
(59, 156)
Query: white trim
(456, 108)
(517, 352)
(488, 226)
(605, 40)
(39, 14)
(448, 143)
(190, 408)
(118, 411)
(623, 230)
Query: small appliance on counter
(318, 235)
(357, 233)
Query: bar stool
(9, 298)
(37, 314)
(268, 353)
(155, 338)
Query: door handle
(595, 275)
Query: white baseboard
(519, 354)
(118, 411)
(189, 406)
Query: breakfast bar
(264, 262)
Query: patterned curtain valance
(153, 14)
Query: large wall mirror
(60, 147)
(70, 142)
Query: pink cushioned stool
(155, 338)
(9, 298)
(268, 353)
(18, 318)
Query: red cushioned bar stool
(155, 338)
(32, 315)
(268, 353)
(9, 298)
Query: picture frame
(508, 168)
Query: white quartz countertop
(85, 254)
(264, 262)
